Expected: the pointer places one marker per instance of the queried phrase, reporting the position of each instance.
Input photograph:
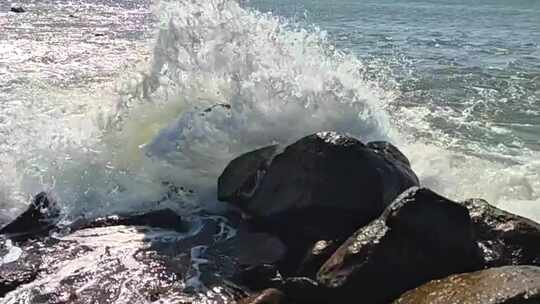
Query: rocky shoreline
(327, 219)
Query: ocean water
(102, 103)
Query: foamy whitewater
(220, 79)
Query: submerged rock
(17, 9)
(505, 238)
(323, 187)
(39, 217)
(421, 236)
(504, 285)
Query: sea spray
(160, 140)
(275, 83)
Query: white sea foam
(274, 82)
(13, 254)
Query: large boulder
(323, 187)
(421, 236)
(504, 285)
(505, 238)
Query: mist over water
(170, 104)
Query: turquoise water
(475, 66)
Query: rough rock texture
(323, 187)
(421, 236)
(39, 217)
(267, 296)
(244, 174)
(505, 238)
(152, 257)
(325, 170)
(321, 251)
(504, 285)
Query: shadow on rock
(323, 187)
(420, 237)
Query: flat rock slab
(504, 285)
(137, 263)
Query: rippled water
(474, 66)
(102, 101)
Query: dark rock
(253, 249)
(325, 170)
(323, 187)
(389, 151)
(16, 279)
(504, 285)
(243, 175)
(38, 218)
(321, 251)
(421, 236)
(267, 296)
(303, 290)
(259, 277)
(219, 105)
(505, 238)
(164, 218)
(137, 265)
(17, 9)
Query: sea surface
(102, 102)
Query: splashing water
(224, 80)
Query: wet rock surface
(244, 174)
(15, 272)
(419, 237)
(504, 285)
(323, 187)
(317, 222)
(267, 296)
(137, 263)
(505, 238)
